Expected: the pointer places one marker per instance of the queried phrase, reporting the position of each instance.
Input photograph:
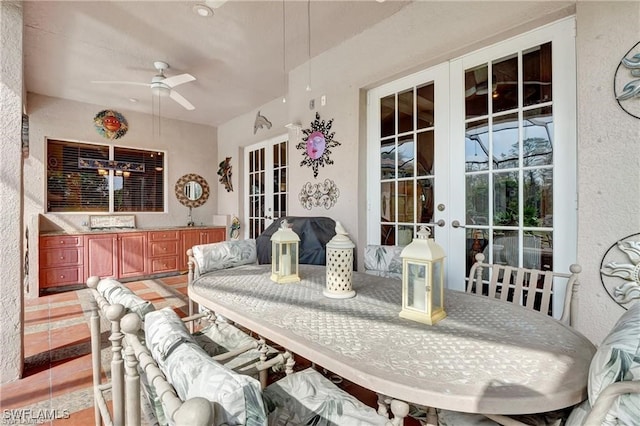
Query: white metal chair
(531, 288)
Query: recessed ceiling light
(202, 10)
(133, 100)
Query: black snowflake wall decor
(316, 144)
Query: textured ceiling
(236, 55)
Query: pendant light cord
(309, 45)
(284, 54)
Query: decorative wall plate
(111, 124)
(626, 83)
(620, 271)
(316, 144)
(324, 194)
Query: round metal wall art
(111, 124)
(316, 144)
(620, 271)
(626, 83)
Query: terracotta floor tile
(26, 391)
(78, 418)
(71, 375)
(35, 343)
(178, 279)
(36, 317)
(137, 286)
(63, 297)
(183, 290)
(60, 313)
(152, 297)
(36, 301)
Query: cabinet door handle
(61, 257)
(62, 277)
(61, 241)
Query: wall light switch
(312, 104)
(323, 100)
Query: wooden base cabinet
(194, 237)
(61, 260)
(116, 255)
(70, 259)
(132, 254)
(163, 251)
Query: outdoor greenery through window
(84, 177)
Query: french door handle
(456, 224)
(439, 223)
(267, 217)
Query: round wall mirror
(192, 190)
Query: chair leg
(400, 410)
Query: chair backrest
(531, 288)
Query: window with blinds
(84, 177)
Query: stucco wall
(190, 148)
(11, 295)
(427, 33)
(608, 158)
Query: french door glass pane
(425, 106)
(425, 153)
(405, 111)
(476, 82)
(537, 136)
(388, 159)
(506, 151)
(536, 73)
(405, 157)
(388, 116)
(505, 199)
(405, 201)
(504, 84)
(425, 200)
(477, 205)
(477, 146)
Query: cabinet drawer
(60, 276)
(164, 248)
(61, 257)
(61, 241)
(163, 235)
(165, 264)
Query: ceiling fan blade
(181, 100)
(176, 80)
(131, 83)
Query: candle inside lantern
(419, 293)
(285, 264)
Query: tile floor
(57, 385)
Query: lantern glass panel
(436, 291)
(416, 286)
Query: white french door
(482, 150)
(266, 184)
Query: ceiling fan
(162, 85)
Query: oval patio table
(487, 356)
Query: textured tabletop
(487, 356)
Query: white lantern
(284, 255)
(339, 275)
(423, 280)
